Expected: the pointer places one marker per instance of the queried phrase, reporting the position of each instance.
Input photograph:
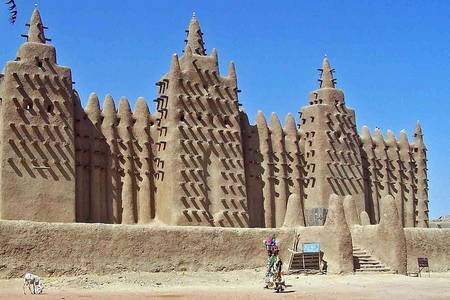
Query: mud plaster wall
(431, 243)
(196, 160)
(57, 249)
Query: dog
(33, 283)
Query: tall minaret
(37, 133)
(420, 157)
(330, 148)
(198, 158)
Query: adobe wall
(432, 243)
(71, 249)
(386, 240)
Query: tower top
(36, 28)
(326, 77)
(418, 130)
(195, 37)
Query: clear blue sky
(392, 58)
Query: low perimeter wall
(61, 248)
(71, 249)
(432, 243)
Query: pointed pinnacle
(365, 133)
(175, 69)
(93, 105)
(195, 37)
(124, 107)
(261, 119)
(418, 130)
(214, 54)
(378, 138)
(109, 107)
(403, 139)
(390, 138)
(232, 71)
(141, 112)
(326, 78)
(36, 30)
(93, 108)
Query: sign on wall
(311, 247)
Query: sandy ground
(245, 284)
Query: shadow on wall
(114, 182)
(42, 150)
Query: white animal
(33, 283)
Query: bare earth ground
(244, 284)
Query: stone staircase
(365, 263)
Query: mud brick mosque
(196, 159)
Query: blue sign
(311, 247)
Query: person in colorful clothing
(271, 245)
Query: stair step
(372, 270)
(366, 260)
(372, 267)
(376, 263)
(365, 263)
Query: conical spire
(260, 118)
(195, 37)
(93, 103)
(175, 69)
(418, 130)
(93, 108)
(215, 58)
(403, 140)
(214, 55)
(231, 70)
(418, 136)
(275, 125)
(289, 125)
(141, 112)
(36, 30)
(125, 111)
(109, 108)
(326, 77)
(365, 134)
(390, 138)
(378, 137)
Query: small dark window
(182, 117)
(39, 64)
(226, 122)
(50, 108)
